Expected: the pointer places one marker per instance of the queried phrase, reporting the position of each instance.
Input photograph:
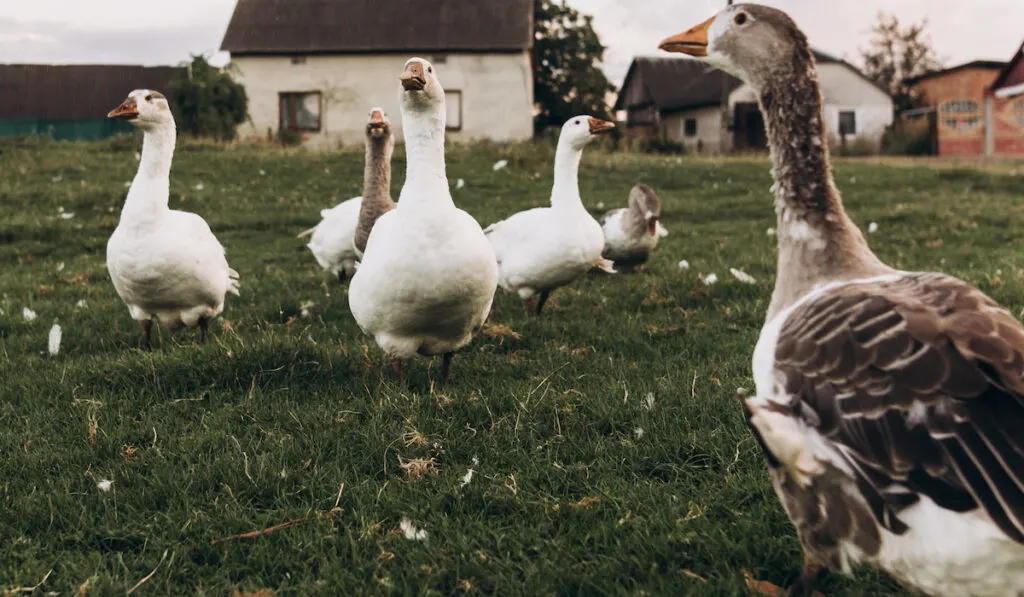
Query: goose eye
(149, 98)
(741, 18)
(430, 69)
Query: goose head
(145, 109)
(750, 41)
(420, 88)
(378, 126)
(646, 204)
(581, 130)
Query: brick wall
(961, 132)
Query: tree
(567, 78)
(207, 101)
(896, 53)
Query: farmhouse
(71, 102)
(709, 110)
(317, 69)
(956, 98)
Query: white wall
(843, 90)
(709, 129)
(496, 90)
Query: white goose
(631, 233)
(428, 274)
(165, 264)
(544, 248)
(337, 242)
(890, 404)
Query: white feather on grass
(742, 276)
(53, 344)
(28, 314)
(410, 531)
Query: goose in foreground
(889, 405)
(428, 274)
(631, 233)
(337, 242)
(544, 248)
(165, 264)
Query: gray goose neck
(818, 243)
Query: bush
(660, 146)
(208, 102)
(908, 142)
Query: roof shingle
(364, 26)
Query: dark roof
(74, 92)
(1003, 80)
(378, 26)
(675, 83)
(683, 83)
(979, 64)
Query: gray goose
(631, 233)
(889, 405)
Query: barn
(70, 102)
(316, 71)
(708, 110)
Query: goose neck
(565, 193)
(424, 147)
(818, 243)
(149, 192)
(377, 172)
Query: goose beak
(598, 127)
(126, 111)
(693, 42)
(413, 78)
(377, 119)
(652, 226)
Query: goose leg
(147, 328)
(446, 366)
(543, 299)
(530, 308)
(804, 586)
(204, 326)
(396, 364)
(342, 276)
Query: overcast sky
(152, 32)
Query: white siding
(843, 90)
(496, 93)
(709, 129)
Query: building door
(748, 127)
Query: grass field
(607, 448)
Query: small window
(439, 58)
(298, 60)
(847, 122)
(959, 106)
(453, 104)
(300, 111)
(690, 127)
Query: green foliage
(896, 53)
(207, 102)
(567, 76)
(610, 456)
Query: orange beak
(652, 225)
(126, 111)
(377, 119)
(598, 127)
(693, 42)
(413, 79)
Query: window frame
(686, 127)
(292, 96)
(448, 125)
(849, 132)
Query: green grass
(265, 422)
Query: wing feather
(919, 382)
